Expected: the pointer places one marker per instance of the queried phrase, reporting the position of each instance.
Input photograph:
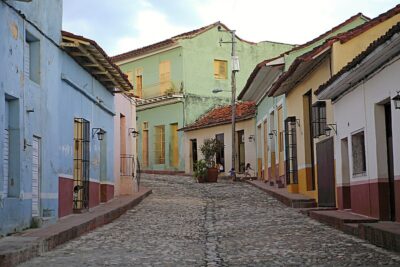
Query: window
(318, 118)
(32, 58)
(165, 75)
(130, 76)
(139, 82)
(220, 69)
(159, 144)
(358, 153)
(145, 144)
(11, 149)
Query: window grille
(81, 164)
(318, 119)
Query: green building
(272, 124)
(175, 78)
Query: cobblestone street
(184, 223)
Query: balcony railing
(127, 166)
(159, 89)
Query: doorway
(241, 153)
(220, 156)
(326, 173)
(193, 152)
(36, 176)
(390, 165)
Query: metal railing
(130, 167)
(159, 89)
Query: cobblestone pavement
(225, 224)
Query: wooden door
(326, 173)
(36, 171)
(165, 75)
(281, 152)
(265, 143)
(174, 146)
(145, 148)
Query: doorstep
(290, 199)
(23, 246)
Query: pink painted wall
(127, 107)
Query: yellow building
(310, 124)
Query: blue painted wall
(65, 91)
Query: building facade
(272, 127)
(217, 124)
(175, 79)
(312, 133)
(55, 103)
(367, 142)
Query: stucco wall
(16, 211)
(362, 102)
(161, 115)
(201, 134)
(127, 107)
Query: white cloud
(149, 26)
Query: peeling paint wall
(46, 109)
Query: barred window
(318, 118)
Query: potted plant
(200, 171)
(209, 149)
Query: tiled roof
(358, 59)
(223, 115)
(169, 42)
(343, 37)
(72, 44)
(261, 64)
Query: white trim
(279, 104)
(259, 123)
(107, 182)
(271, 110)
(93, 180)
(128, 60)
(49, 195)
(303, 166)
(265, 117)
(67, 176)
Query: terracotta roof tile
(320, 37)
(223, 115)
(358, 59)
(343, 37)
(127, 85)
(170, 41)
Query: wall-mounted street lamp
(133, 132)
(396, 100)
(272, 133)
(252, 138)
(100, 133)
(329, 128)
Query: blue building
(56, 117)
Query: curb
(20, 248)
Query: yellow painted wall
(344, 53)
(341, 54)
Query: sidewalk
(23, 246)
(281, 194)
(383, 234)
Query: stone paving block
(184, 223)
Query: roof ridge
(343, 37)
(360, 57)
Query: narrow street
(184, 223)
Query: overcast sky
(122, 25)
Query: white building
(367, 142)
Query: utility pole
(235, 68)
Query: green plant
(209, 149)
(200, 169)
